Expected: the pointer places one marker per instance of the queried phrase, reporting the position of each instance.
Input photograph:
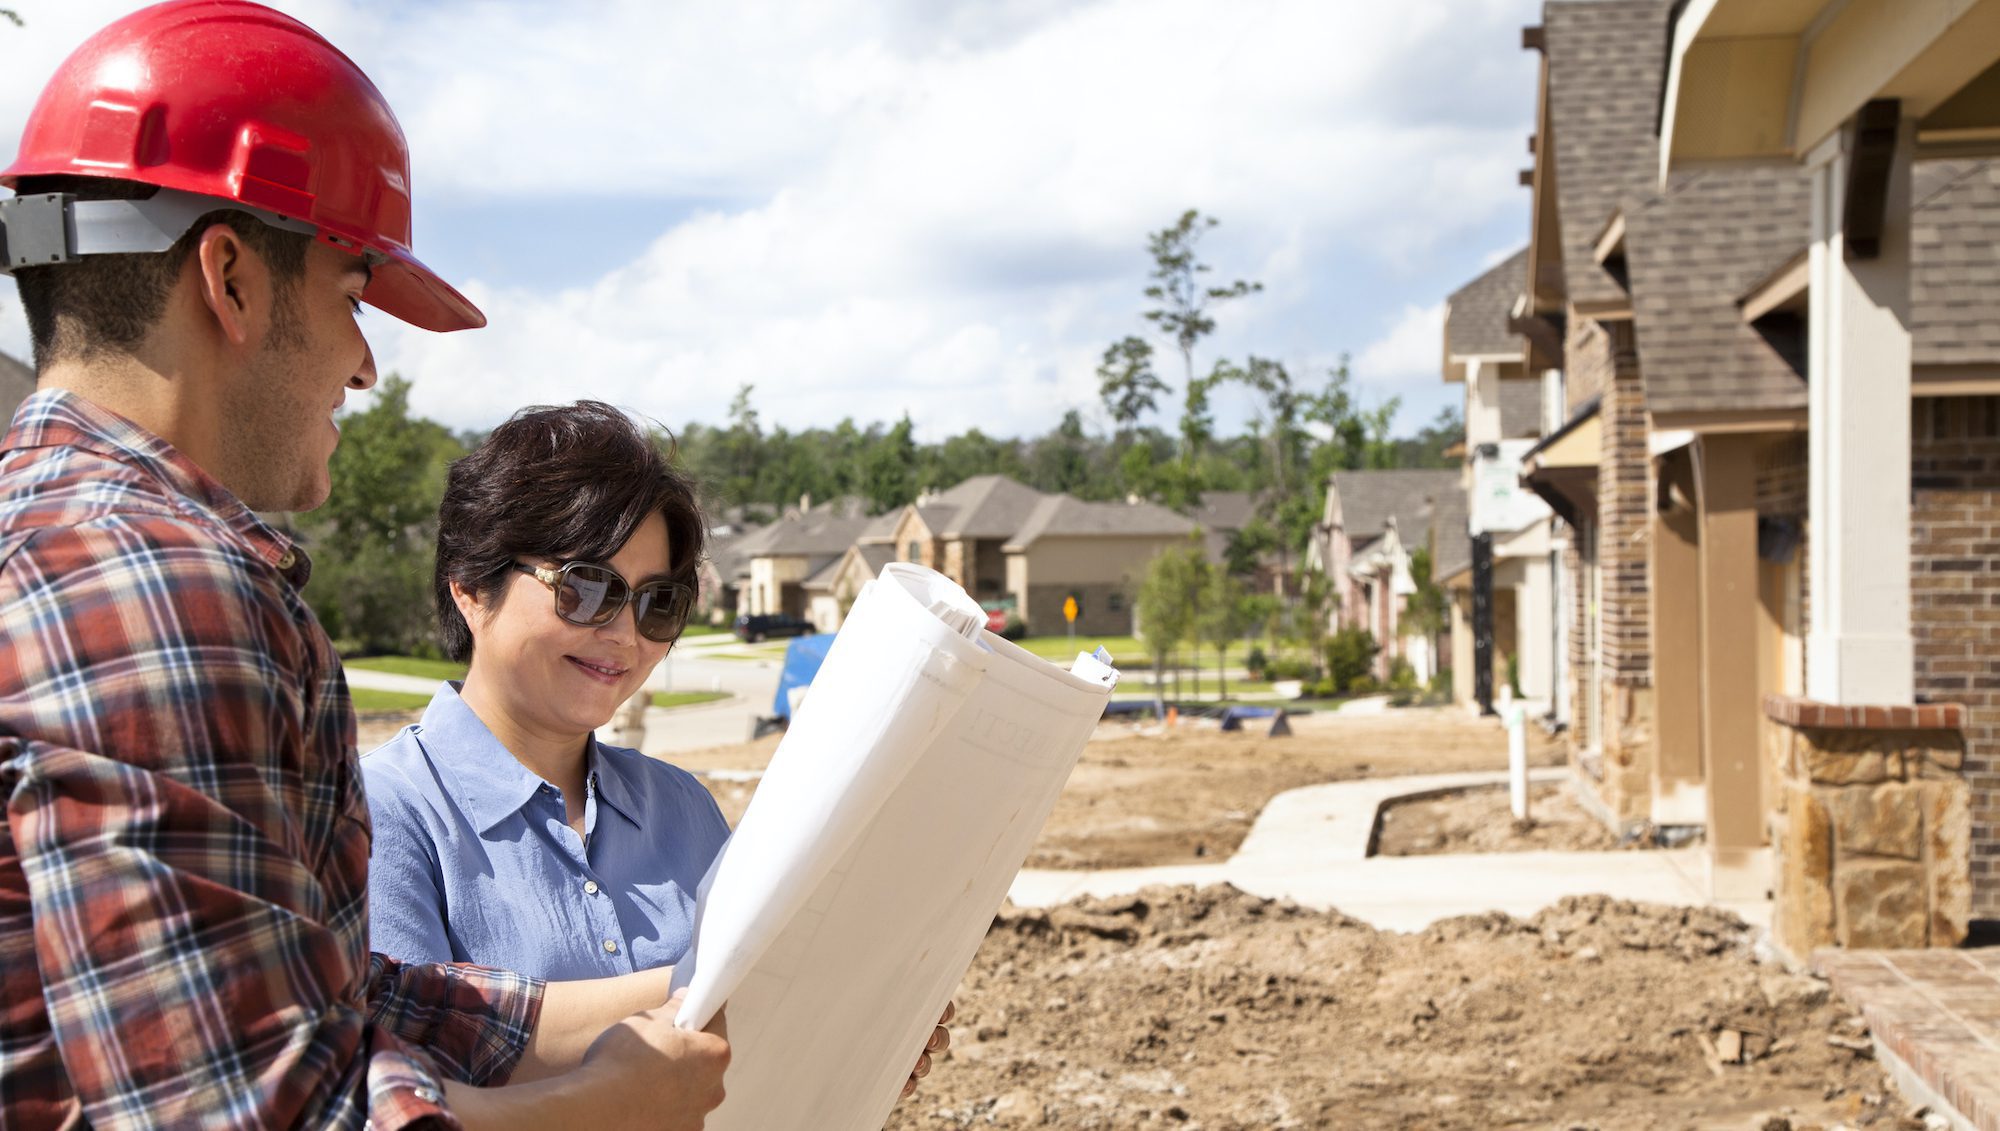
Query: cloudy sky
(871, 207)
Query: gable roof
(984, 506)
(16, 382)
(1063, 515)
(1369, 499)
(1605, 59)
(1691, 254)
(1476, 314)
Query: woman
(505, 834)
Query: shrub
(1350, 657)
(1402, 677)
(1258, 664)
(1441, 683)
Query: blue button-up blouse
(473, 862)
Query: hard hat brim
(405, 288)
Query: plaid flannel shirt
(184, 843)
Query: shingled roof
(1692, 254)
(1475, 316)
(1520, 408)
(1955, 264)
(1604, 61)
(1063, 515)
(984, 506)
(1369, 499)
(1451, 527)
(16, 382)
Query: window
(911, 554)
(1115, 602)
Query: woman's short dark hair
(569, 483)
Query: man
(207, 194)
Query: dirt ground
(1482, 820)
(1217, 1010)
(1140, 797)
(1214, 1009)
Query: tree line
(372, 542)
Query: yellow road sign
(1069, 609)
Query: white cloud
(1411, 351)
(920, 206)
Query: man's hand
(940, 1041)
(650, 1071)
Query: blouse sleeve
(406, 904)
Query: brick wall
(1955, 598)
(1603, 362)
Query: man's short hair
(104, 305)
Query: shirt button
(590, 887)
(288, 559)
(428, 1095)
(610, 946)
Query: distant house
(961, 532)
(1094, 552)
(772, 565)
(1224, 514)
(830, 593)
(1371, 523)
(16, 382)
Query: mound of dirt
(1215, 1009)
(1482, 820)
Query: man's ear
(234, 284)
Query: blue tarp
(802, 660)
(1232, 719)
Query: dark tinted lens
(589, 595)
(663, 610)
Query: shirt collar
(52, 418)
(492, 785)
(490, 782)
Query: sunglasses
(592, 595)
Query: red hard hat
(231, 100)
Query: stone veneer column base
(1872, 826)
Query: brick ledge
(1795, 711)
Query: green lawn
(1125, 650)
(368, 699)
(686, 698)
(704, 630)
(410, 665)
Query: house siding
(1955, 598)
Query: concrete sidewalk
(1310, 845)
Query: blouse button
(610, 946)
(590, 887)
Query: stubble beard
(273, 413)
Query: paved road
(691, 666)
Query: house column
(1534, 629)
(1731, 707)
(1680, 795)
(1859, 649)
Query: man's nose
(364, 378)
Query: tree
(1062, 459)
(1314, 609)
(1225, 615)
(11, 17)
(1182, 313)
(373, 541)
(1169, 604)
(889, 476)
(1427, 610)
(1127, 383)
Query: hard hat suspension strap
(45, 229)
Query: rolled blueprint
(845, 909)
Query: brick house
(1371, 522)
(1727, 558)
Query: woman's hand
(940, 1041)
